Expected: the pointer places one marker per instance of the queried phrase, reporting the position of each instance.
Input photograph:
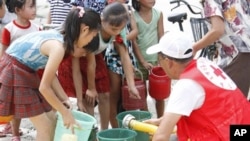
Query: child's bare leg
(45, 125)
(103, 107)
(115, 95)
(15, 124)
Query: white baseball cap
(173, 44)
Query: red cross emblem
(218, 72)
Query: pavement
(30, 132)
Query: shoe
(7, 130)
(16, 138)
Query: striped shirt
(59, 11)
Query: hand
(67, 103)
(69, 121)
(81, 107)
(91, 97)
(153, 121)
(147, 65)
(133, 93)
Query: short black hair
(115, 14)
(13, 4)
(72, 26)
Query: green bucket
(116, 134)
(140, 116)
(86, 121)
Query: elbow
(218, 32)
(43, 89)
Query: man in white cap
(204, 102)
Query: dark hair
(115, 14)
(13, 4)
(136, 5)
(94, 44)
(1, 3)
(72, 26)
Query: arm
(2, 50)
(60, 93)
(91, 93)
(216, 31)
(160, 27)
(166, 126)
(5, 41)
(139, 55)
(77, 79)
(129, 72)
(46, 87)
(134, 32)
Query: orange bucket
(5, 119)
(159, 83)
(130, 103)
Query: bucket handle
(136, 70)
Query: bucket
(140, 116)
(86, 121)
(159, 84)
(5, 119)
(131, 103)
(116, 134)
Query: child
(150, 27)
(25, 11)
(115, 66)
(23, 93)
(114, 19)
(97, 5)
(93, 87)
(58, 12)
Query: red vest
(224, 104)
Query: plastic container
(159, 84)
(116, 134)
(5, 119)
(131, 103)
(140, 116)
(86, 121)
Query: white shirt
(186, 96)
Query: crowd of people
(98, 42)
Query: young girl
(115, 66)
(150, 29)
(25, 11)
(58, 11)
(23, 93)
(95, 77)
(93, 87)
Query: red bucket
(130, 103)
(159, 84)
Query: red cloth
(19, 94)
(66, 79)
(224, 105)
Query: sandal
(16, 138)
(7, 130)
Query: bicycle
(198, 25)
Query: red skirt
(19, 94)
(66, 79)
